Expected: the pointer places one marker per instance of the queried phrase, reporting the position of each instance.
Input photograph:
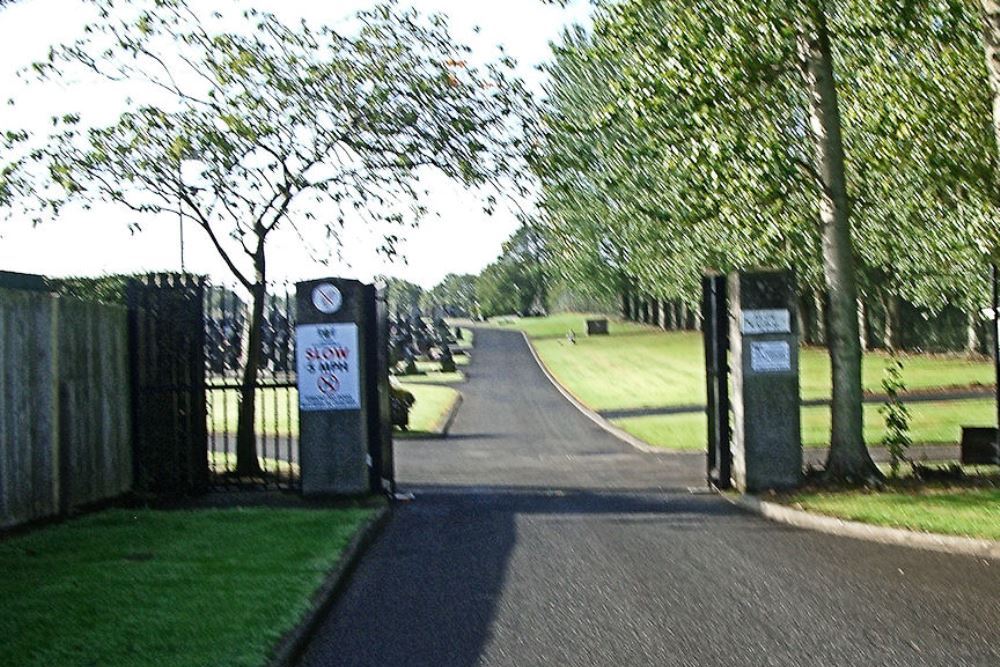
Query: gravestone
(597, 327)
(979, 446)
(766, 434)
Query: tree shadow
(427, 592)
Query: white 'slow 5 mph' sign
(326, 357)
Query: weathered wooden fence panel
(95, 439)
(64, 405)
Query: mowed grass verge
(971, 512)
(930, 423)
(143, 587)
(639, 366)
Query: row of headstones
(411, 338)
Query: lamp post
(180, 210)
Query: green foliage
(517, 282)
(456, 293)
(401, 295)
(295, 126)
(897, 416)
(107, 289)
(675, 141)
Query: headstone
(331, 341)
(979, 446)
(766, 436)
(597, 327)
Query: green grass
(559, 324)
(433, 377)
(196, 588)
(973, 512)
(277, 411)
(931, 423)
(429, 413)
(640, 366)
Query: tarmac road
(538, 539)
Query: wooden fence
(65, 438)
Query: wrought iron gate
(227, 322)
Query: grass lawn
(973, 512)
(433, 377)
(656, 368)
(142, 587)
(428, 414)
(931, 423)
(277, 410)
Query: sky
(461, 239)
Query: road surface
(538, 539)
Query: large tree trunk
(991, 45)
(819, 319)
(247, 463)
(849, 458)
(862, 328)
(890, 325)
(971, 334)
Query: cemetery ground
(435, 400)
(641, 377)
(146, 587)
(639, 369)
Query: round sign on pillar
(327, 298)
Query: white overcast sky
(462, 240)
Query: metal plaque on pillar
(764, 340)
(331, 340)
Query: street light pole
(180, 212)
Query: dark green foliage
(897, 417)
(401, 401)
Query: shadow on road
(430, 588)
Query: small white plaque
(770, 356)
(327, 298)
(326, 358)
(766, 321)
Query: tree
(517, 282)
(402, 295)
(456, 293)
(684, 136)
(293, 127)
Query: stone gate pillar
(764, 339)
(332, 338)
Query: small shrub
(400, 402)
(897, 417)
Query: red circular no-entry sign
(328, 384)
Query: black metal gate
(227, 327)
(383, 478)
(169, 409)
(715, 332)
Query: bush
(400, 402)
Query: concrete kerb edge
(452, 414)
(625, 437)
(293, 644)
(950, 544)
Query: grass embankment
(639, 366)
(971, 512)
(142, 587)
